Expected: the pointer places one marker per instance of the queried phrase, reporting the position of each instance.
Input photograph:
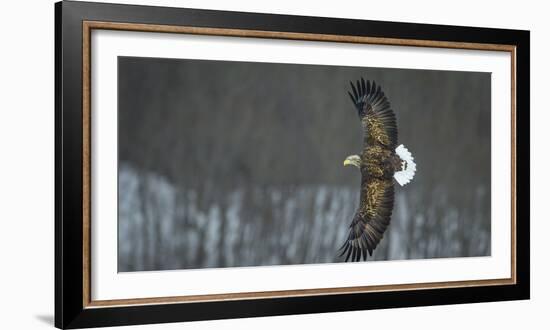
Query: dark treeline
(240, 164)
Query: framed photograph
(218, 164)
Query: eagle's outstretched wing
(371, 219)
(377, 192)
(376, 115)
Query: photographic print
(303, 160)
(239, 164)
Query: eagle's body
(380, 162)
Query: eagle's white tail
(408, 167)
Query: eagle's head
(354, 160)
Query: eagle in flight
(380, 162)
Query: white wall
(26, 163)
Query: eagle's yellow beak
(347, 162)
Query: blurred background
(228, 164)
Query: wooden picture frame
(74, 306)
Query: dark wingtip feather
(355, 95)
(343, 248)
(353, 253)
(348, 254)
(362, 90)
(352, 98)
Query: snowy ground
(166, 227)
